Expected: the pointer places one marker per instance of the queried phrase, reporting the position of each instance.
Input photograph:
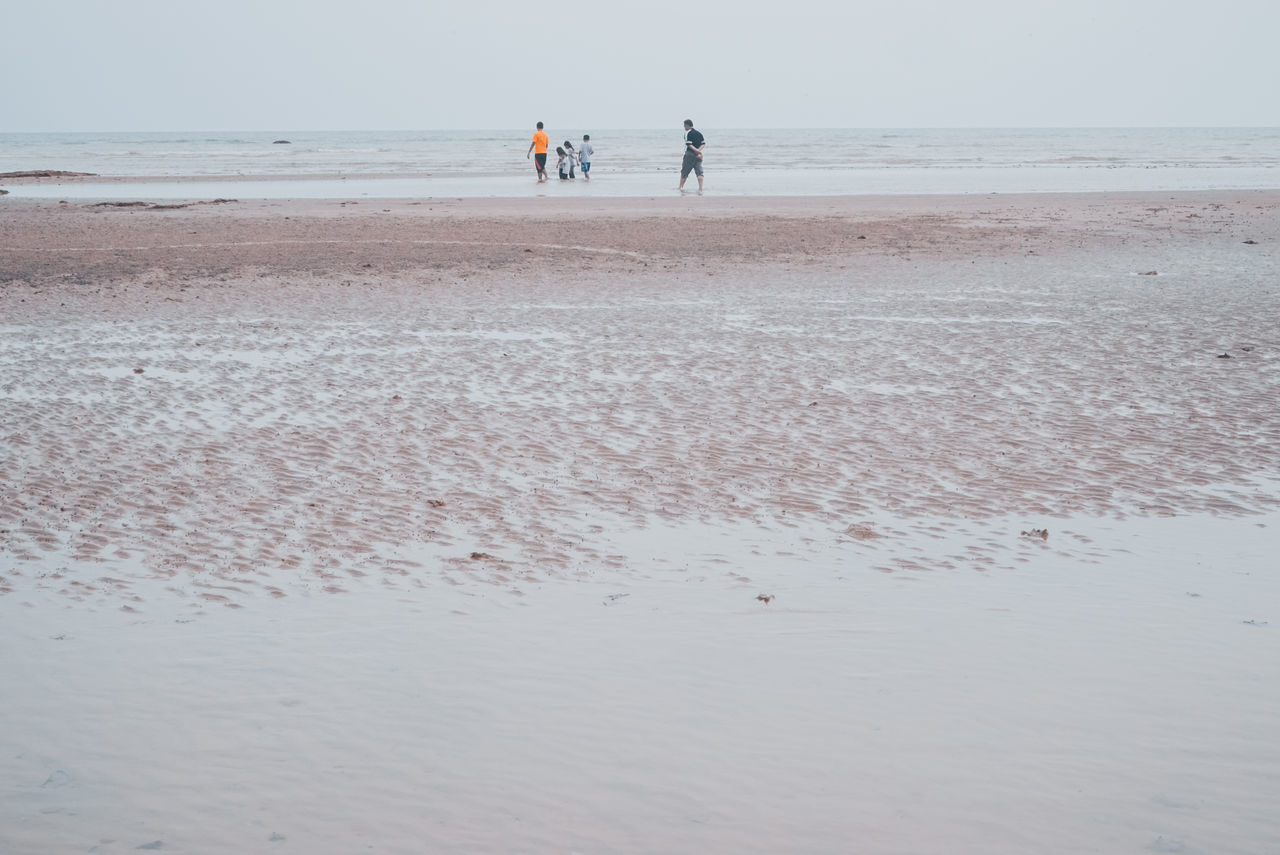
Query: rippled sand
(246, 405)
(270, 427)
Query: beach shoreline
(49, 239)
(677, 524)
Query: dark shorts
(586, 167)
(540, 162)
(691, 164)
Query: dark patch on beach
(156, 206)
(46, 173)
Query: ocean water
(473, 163)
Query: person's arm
(529, 152)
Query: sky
(222, 65)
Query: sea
(641, 163)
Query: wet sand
(314, 386)
(485, 492)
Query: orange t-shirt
(540, 142)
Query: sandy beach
(668, 525)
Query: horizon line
(521, 129)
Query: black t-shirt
(693, 138)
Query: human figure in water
(573, 157)
(538, 148)
(584, 156)
(694, 143)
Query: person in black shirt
(694, 142)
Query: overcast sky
(155, 65)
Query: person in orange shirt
(538, 148)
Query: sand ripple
(274, 434)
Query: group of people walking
(568, 157)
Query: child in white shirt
(573, 158)
(584, 156)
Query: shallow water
(1123, 704)
(802, 162)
